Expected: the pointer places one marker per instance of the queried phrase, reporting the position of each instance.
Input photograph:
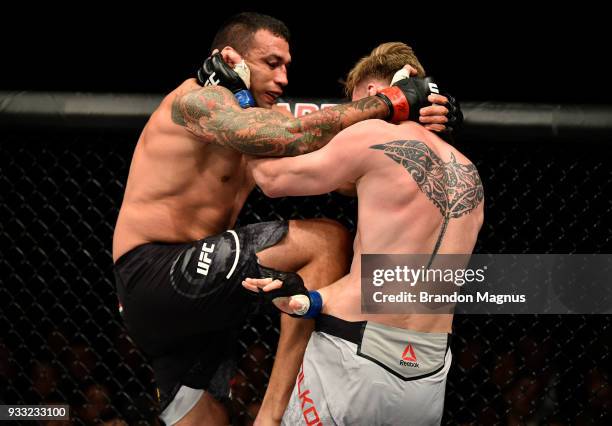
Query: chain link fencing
(62, 340)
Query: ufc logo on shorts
(204, 261)
(211, 80)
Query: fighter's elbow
(267, 182)
(271, 189)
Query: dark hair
(238, 30)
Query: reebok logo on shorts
(204, 260)
(409, 358)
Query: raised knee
(334, 237)
(323, 238)
(339, 234)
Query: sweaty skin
(408, 184)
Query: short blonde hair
(382, 63)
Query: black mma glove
(406, 97)
(455, 118)
(292, 286)
(214, 71)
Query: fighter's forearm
(315, 130)
(291, 346)
(213, 114)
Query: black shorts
(184, 305)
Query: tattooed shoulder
(453, 187)
(190, 107)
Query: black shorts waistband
(147, 247)
(125, 257)
(351, 331)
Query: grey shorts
(363, 373)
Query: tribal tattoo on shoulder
(454, 188)
(213, 114)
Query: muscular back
(180, 188)
(417, 194)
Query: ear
(230, 56)
(372, 88)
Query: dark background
(497, 51)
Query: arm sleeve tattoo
(212, 114)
